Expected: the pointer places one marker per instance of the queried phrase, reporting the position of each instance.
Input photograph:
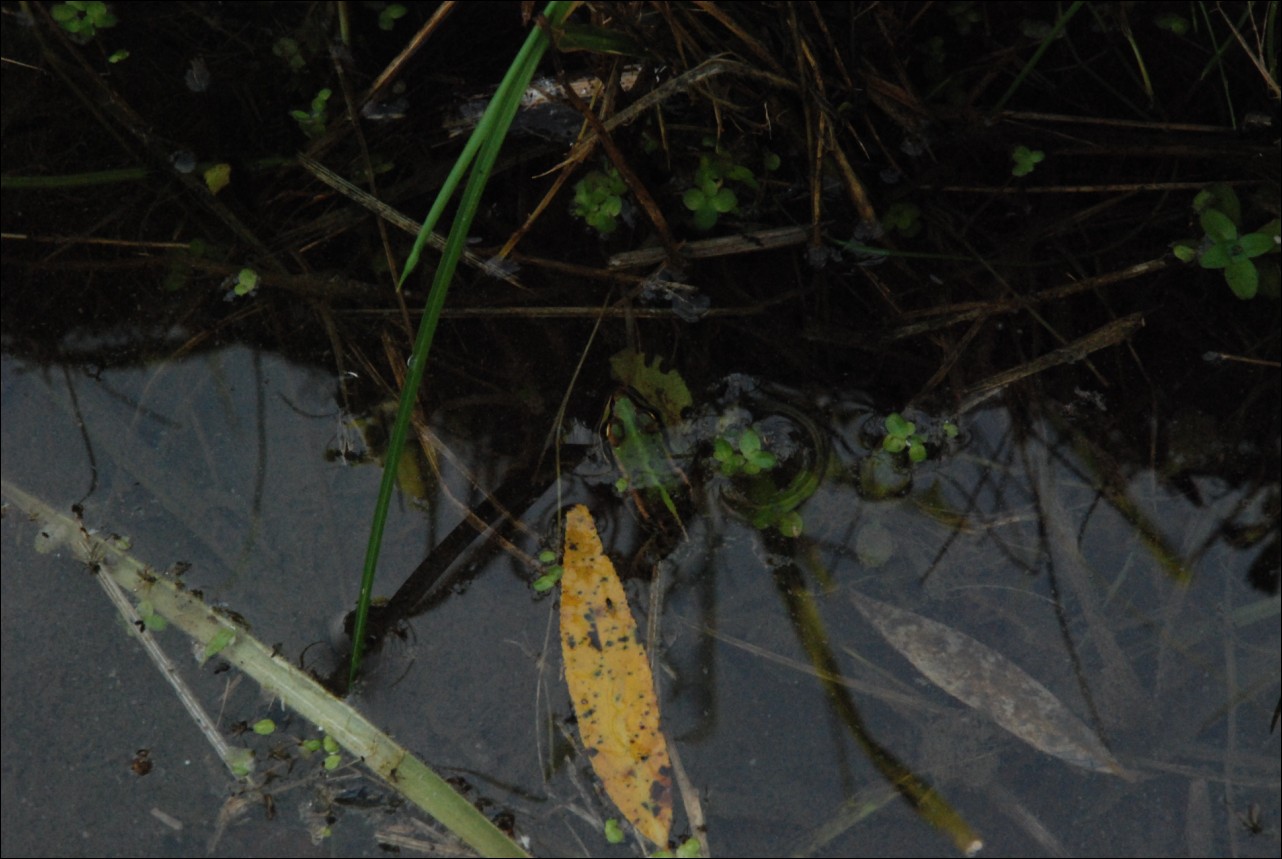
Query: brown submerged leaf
(610, 683)
(988, 682)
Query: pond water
(1117, 591)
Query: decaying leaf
(610, 683)
(988, 682)
(666, 391)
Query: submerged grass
(483, 146)
(222, 634)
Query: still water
(1115, 590)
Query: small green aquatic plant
(742, 454)
(1223, 246)
(1026, 160)
(288, 50)
(83, 18)
(245, 282)
(598, 199)
(552, 572)
(903, 217)
(709, 199)
(390, 15)
(902, 435)
(312, 123)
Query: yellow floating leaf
(610, 683)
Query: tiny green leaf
(1257, 244)
(264, 727)
(218, 177)
(223, 637)
(897, 426)
(388, 17)
(241, 761)
(1185, 251)
(690, 849)
(1242, 278)
(1216, 256)
(246, 281)
(613, 831)
(1218, 226)
(548, 580)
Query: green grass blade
(295, 688)
(486, 140)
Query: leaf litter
(988, 682)
(610, 683)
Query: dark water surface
(1128, 605)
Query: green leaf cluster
(743, 455)
(1224, 247)
(83, 18)
(246, 282)
(904, 217)
(709, 199)
(288, 49)
(312, 123)
(598, 199)
(390, 15)
(552, 572)
(902, 435)
(1026, 160)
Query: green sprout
(264, 727)
(1177, 24)
(904, 217)
(245, 282)
(223, 637)
(709, 199)
(289, 51)
(312, 123)
(388, 17)
(743, 455)
(613, 831)
(902, 435)
(150, 619)
(689, 849)
(552, 572)
(765, 504)
(598, 199)
(1223, 247)
(1025, 160)
(83, 19)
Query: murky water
(1127, 603)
